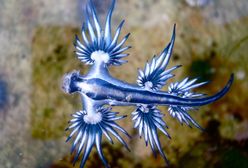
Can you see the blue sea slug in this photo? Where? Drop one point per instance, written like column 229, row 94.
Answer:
column 99, row 91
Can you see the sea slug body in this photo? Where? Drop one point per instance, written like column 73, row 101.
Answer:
column 99, row 91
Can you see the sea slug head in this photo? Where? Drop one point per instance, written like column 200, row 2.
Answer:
column 69, row 82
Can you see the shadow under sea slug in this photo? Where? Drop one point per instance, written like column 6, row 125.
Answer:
column 99, row 91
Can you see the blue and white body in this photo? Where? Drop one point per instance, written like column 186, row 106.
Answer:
column 99, row 91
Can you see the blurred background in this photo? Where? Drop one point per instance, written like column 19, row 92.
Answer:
column 36, row 49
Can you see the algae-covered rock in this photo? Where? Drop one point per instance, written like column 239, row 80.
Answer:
column 53, row 56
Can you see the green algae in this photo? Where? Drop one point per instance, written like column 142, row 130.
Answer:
column 52, row 52
column 233, row 158
column 201, row 68
column 212, row 150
